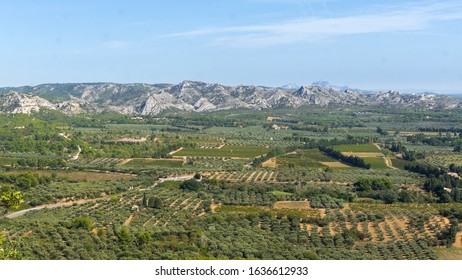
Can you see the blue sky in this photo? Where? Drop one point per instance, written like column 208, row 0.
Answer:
column 400, row 45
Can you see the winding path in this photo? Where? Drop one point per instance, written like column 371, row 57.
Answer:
column 176, row 151
column 76, row 157
column 53, row 205
column 176, row 179
column 389, row 163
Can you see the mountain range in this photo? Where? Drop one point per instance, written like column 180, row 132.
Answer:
column 194, row 96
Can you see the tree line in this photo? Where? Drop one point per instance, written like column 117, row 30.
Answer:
column 350, row 160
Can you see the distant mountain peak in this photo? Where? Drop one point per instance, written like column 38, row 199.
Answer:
column 197, row 96
column 290, row 86
column 325, row 84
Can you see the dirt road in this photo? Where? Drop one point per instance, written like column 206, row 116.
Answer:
column 54, row 205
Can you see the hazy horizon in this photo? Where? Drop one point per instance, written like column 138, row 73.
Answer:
column 407, row 91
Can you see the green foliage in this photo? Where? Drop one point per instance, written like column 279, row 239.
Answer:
column 26, row 181
column 191, row 185
column 377, row 188
column 376, row 162
column 425, row 169
column 446, row 188
column 155, row 202
column 380, row 131
column 82, row 222
column 273, row 153
column 9, row 250
column 366, row 185
column 326, row 201
column 123, row 234
column 357, row 148
column 304, row 159
column 145, row 200
column 152, row 162
column 354, row 234
column 226, row 151
column 230, row 215
column 144, row 237
column 11, row 199
column 350, row 160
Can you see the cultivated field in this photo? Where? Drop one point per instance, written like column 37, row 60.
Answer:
column 233, row 185
column 154, row 162
column 225, row 151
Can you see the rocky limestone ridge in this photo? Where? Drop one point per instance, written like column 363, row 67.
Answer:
column 191, row 96
column 14, row 102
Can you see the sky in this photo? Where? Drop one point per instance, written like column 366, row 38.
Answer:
column 389, row 45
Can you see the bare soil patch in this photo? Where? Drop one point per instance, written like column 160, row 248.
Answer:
column 54, row 205
column 258, row 175
column 458, row 243
column 129, row 220
column 176, row 151
column 214, row 206
column 124, row 161
column 292, row 205
column 147, row 222
column 335, row 164
column 250, row 177
column 362, row 154
column 185, row 201
column 132, row 140
column 197, row 205
column 451, row 253
column 270, row 163
column 173, row 203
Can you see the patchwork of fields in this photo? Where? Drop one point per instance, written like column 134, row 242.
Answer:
column 311, row 183
column 225, row 151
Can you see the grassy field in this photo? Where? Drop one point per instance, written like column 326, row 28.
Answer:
column 336, row 164
column 226, row 151
column 359, row 148
column 303, row 205
column 309, row 158
column 7, row 161
column 448, row 253
column 154, row 162
column 376, row 162
column 399, row 163
column 280, row 194
column 318, row 156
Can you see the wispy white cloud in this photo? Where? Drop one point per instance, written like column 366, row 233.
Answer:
column 392, row 19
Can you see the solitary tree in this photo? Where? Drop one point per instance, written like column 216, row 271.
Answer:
column 145, row 201
column 8, row 250
column 155, row 202
column 123, row 234
column 11, row 200
column 82, row 222
column 192, row 185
